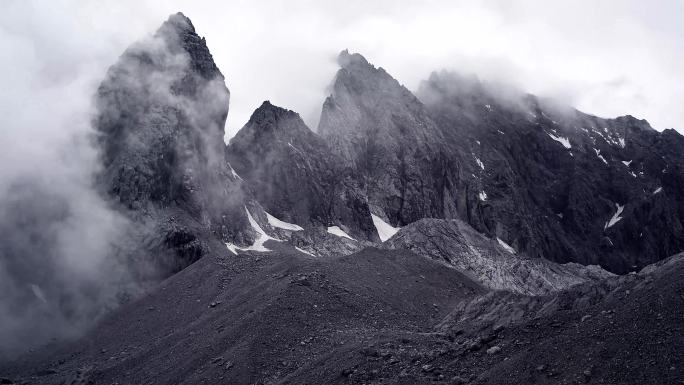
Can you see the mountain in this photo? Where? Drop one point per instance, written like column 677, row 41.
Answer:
column 295, row 174
column 469, row 233
column 383, row 131
column 561, row 184
column 161, row 111
column 546, row 179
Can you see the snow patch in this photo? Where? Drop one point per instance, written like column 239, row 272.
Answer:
column 659, row 189
column 304, row 251
column 334, row 230
column 506, row 246
column 275, row 222
column 479, row 162
column 488, row 107
column 482, row 195
column 626, row 163
column 384, row 229
column 235, row 175
column 295, row 148
column 564, row 141
column 616, row 217
column 598, row 153
column 258, row 244
column 501, row 132
column 622, row 142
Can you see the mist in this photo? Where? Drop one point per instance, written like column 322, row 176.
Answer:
column 57, row 235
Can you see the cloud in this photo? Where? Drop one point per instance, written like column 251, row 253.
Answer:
column 61, row 245
column 285, row 51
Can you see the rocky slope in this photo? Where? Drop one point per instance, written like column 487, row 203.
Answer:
column 493, row 263
column 374, row 317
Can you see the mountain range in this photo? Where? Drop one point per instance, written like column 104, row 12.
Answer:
column 467, row 232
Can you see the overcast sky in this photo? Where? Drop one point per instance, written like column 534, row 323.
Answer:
column 605, row 57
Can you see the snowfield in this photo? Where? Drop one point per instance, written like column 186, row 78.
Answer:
column 335, row 230
column 258, row 244
column 506, row 246
column 616, row 217
column 275, row 222
column 385, row 230
column 564, row 141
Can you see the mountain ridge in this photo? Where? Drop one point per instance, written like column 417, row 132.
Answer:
column 460, row 234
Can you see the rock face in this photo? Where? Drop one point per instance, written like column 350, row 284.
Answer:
column 295, row 176
column 386, row 134
column 161, row 112
column 547, row 180
column 552, row 179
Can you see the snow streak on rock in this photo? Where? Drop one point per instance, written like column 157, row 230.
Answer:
column 564, row 141
column 304, row 251
column 385, row 230
column 335, row 230
column 275, row 222
column 258, row 244
column 616, row 217
column 506, row 246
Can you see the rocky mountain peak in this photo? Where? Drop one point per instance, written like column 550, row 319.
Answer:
column 179, row 22
column 349, row 60
column 180, row 35
column 358, row 79
column 270, row 124
column 295, row 175
column 633, row 124
column 267, row 117
column 382, row 130
column 161, row 111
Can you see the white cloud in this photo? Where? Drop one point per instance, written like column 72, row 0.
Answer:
column 608, row 58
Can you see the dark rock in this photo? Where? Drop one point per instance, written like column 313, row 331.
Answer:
column 501, row 162
column 296, row 176
column 493, row 350
column 160, row 115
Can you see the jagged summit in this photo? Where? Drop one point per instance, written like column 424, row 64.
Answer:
column 269, row 123
column 347, row 60
column 634, row 124
column 267, row 110
column 180, row 22
column 358, row 76
column 179, row 34
column 379, row 127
